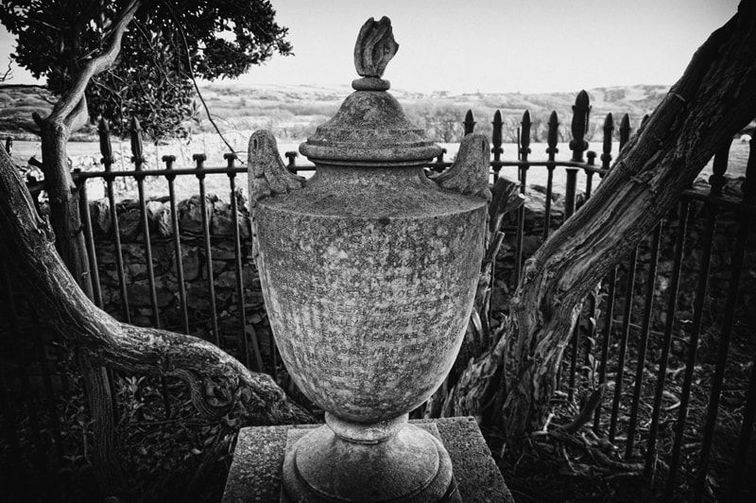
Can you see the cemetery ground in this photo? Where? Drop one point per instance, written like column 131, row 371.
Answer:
column 170, row 453
column 174, row 454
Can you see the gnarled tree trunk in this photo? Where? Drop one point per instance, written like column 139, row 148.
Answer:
column 68, row 114
column 714, row 99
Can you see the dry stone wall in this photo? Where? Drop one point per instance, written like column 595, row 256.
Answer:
column 224, row 276
column 194, row 262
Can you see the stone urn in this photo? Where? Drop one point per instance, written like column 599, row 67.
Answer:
column 369, row 270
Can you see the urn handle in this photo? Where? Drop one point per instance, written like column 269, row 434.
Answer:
column 468, row 174
column 267, row 177
column 267, row 173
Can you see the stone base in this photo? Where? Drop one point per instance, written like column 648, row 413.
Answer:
column 255, row 474
column 352, row 472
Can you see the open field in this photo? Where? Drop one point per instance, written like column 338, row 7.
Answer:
column 293, row 112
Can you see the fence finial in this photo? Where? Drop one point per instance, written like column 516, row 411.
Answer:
column 169, row 160
column 525, row 135
column 292, row 158
column 580, row 113
column 469, row 123
column 230, row 158
column 496, row 135
column 552, row 137
column 106, row 148
column 624, row 131
column 137, row 148
column 606, row 155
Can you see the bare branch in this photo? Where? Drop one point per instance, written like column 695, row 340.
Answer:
column 79, row 116
column 8, row 73
column 94, row 66
column 30, row 129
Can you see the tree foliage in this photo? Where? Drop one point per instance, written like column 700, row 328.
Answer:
column 167, row 42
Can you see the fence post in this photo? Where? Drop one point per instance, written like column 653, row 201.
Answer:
column 524, row 150
column 9, row 145
column 717, row 182
column 580, row 113
column 137, row 151
column 291, row 156
column 699, row 303
column 496, row 149
column 578, row 145
column 171, row 178
column 106, row 150
column 624, row 131
column 86, row 219
column 469, row 123
column 199, row 160
column 591, row 162
column 606, row 155
column 552, row 139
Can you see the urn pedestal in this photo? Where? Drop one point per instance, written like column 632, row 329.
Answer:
column 369, row 271
column 255, row 472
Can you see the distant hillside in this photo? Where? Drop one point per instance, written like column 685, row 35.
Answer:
column 18, row 102
column 293, row 112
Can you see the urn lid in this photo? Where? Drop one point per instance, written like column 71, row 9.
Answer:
column 370, row 128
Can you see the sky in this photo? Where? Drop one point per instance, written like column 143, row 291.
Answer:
column 489, row 46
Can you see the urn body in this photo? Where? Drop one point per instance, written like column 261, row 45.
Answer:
column 369, row 275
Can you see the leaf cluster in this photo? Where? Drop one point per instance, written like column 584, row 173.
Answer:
column 168, row 41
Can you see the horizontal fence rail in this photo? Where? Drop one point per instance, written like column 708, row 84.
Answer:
column 638, row 337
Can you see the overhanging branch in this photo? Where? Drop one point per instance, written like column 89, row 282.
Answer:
column 67, row 104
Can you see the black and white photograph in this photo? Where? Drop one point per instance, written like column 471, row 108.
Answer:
column 393, row 251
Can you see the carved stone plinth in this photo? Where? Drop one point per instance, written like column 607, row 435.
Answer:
column 256, row 471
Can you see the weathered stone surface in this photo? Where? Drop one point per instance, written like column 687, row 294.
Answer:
column 222, row 221
column 370, row 127
column 374, row 48
column 227, row 280
column 129, row 222
column 465, row 174
column 162, row 221
column 139, row 295
column 198, row 298
column 99, row 212
column 255, row 473
column 412, row 466
column 191, row 261
column 224, row 251
column 266, row 172
column 378, row 262
column 369, row 273
column 190, row 213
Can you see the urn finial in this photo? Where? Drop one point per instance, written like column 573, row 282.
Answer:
column 373, row 50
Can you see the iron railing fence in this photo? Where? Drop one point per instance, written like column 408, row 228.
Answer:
column 637, row 338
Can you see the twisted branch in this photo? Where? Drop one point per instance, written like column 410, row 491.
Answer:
column 220, row 385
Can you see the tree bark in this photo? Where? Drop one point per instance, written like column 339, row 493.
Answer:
column 67, row 115
column 64, row 201
column 713, row 100
column 219, row 384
